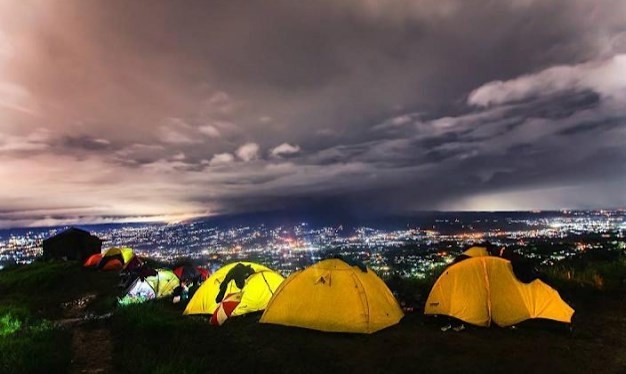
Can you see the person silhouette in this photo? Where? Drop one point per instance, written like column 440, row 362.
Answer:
column 239, row 273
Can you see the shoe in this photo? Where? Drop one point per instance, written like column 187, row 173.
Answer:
column 446, row 328
column 459, row 328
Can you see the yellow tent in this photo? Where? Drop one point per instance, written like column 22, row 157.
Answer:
column 256, row 293
column 153, row 287
column 484, row 289
column 163, row 283
column 476, row 252
column 125, row 252
column 334, row 296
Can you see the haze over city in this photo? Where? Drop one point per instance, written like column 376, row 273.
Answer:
column 118, row 111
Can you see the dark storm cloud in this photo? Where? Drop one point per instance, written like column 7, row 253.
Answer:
column 592, row 127
column 160, row 108
column 86, row 143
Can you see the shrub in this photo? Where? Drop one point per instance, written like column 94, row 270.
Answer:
column 607, row 276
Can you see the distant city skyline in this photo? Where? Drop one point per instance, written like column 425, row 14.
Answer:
column 115, row 111
column 409, row 247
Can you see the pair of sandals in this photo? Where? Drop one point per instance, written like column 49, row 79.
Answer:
column 458, row 328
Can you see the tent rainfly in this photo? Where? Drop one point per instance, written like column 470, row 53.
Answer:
column 255, row 282
column 115, row 258
column 334, row 296
column 93, row 260
column 483, row 289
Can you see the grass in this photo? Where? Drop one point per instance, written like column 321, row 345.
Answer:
column 599, row 276
column 10, row 322
column 30, row 298
column 31, row 345
column 158, row 334
column 42, row 287
column 41, row 350
column 155, row 338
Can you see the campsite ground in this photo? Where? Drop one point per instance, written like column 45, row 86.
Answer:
column 154, row 337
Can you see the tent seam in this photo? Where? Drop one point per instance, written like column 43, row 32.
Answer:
column 488, row 286
column 367, row 305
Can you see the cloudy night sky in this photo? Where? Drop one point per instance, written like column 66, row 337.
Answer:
column 164, row 110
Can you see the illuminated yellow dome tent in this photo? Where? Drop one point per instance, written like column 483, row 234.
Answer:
column 476, row 252
column 483, row 289
column 259, row 287
column 334, row 296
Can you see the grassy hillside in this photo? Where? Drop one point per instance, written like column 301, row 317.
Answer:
column 31, row 298
column 155, row 337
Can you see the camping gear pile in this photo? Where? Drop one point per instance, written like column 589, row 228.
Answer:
column 140, row 281
column 480, row 287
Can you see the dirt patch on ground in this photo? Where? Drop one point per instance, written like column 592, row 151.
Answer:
column 91, row 338
column 91, row 349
